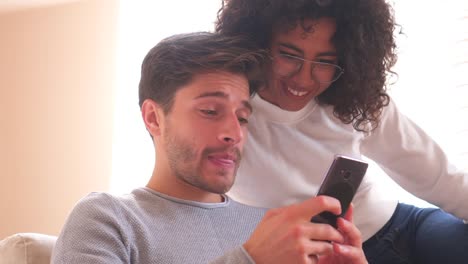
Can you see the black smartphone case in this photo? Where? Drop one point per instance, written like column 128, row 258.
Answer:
column 341, row 182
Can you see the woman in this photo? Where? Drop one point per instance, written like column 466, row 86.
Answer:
column 326, row 95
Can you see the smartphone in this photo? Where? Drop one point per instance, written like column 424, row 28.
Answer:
column 341, row 182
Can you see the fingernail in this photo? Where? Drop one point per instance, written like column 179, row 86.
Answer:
column 342, row 249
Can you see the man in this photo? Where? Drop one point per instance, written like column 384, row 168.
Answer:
column 194, row 99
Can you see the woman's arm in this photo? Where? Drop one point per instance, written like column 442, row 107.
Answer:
column 416, row 162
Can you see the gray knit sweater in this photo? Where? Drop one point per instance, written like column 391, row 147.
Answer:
column 149, row 227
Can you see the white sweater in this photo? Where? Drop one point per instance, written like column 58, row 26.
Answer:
column 288, row 153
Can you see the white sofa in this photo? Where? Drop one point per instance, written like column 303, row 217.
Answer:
column 27, row 248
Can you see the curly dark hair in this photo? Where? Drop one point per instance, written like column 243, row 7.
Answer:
column 174, row 62
column 364, row 40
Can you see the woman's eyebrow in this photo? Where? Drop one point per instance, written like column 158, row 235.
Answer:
column 291, row 46
column 298, row 50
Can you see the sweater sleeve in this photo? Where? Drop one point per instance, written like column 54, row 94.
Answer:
column 91, row 234
column 416, row 162
column 236, row 256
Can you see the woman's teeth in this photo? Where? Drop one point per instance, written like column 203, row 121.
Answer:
column 297, row 93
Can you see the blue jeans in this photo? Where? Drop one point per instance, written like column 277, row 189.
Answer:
column 422, row 236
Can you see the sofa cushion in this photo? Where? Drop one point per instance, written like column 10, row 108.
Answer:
column 27, row 248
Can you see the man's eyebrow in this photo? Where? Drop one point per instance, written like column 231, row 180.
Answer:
column 213, row 94
column 293, row 47
column 221, row 94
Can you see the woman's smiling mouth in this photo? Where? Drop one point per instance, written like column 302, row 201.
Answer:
column 297, row 92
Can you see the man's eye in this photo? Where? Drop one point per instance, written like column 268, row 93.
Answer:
column 208, row 112
column 243, row 120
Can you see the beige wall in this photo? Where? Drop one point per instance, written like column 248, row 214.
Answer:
column 56, row 98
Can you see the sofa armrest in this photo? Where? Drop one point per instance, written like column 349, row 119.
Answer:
column 27, row 248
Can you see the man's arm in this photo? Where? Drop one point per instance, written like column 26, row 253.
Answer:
column 236, row 256
column 92, row 234
column 286, row 235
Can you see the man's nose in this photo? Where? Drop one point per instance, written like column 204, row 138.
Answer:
column 231, row 131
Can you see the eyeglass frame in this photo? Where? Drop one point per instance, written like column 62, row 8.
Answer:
column 338, row 74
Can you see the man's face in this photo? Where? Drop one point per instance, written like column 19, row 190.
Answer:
column 203, row 135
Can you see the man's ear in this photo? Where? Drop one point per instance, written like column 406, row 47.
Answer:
column 152, row 115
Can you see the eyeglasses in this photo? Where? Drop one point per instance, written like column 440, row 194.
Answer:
column 286, row 65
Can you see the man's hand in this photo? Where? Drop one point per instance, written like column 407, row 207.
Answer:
column 350, row 251
column 286, row 235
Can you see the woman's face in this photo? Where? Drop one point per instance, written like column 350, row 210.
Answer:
column 303, row 64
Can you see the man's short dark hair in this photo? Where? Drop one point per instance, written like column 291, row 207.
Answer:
column 174, row 61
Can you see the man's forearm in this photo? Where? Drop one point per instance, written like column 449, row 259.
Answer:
column 236, row 256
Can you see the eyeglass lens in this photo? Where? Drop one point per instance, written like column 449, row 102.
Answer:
column 287, row 66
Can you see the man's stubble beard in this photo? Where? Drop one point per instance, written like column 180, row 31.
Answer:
column 182, row 157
